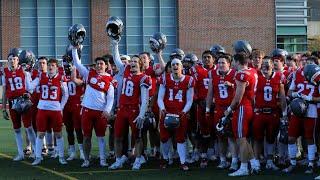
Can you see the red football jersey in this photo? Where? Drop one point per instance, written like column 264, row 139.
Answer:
column 75, row 91
column 153, row 88
column 302, row 86
column 99, row 82
column 50, row 88
column 35, row 96
column 248, row 76
column 222, row 94
column 200, row 75
column 130, row 93
column 15, row 83
column 268, row 90
column 176, row 92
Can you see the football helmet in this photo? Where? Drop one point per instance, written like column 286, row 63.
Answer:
column 76, row 35
column 242, row 46
column 114, row 27
column 280, row 53
column 312, row 73
column 158, row 42
column 177, row 53
column 190, row 58
column 15, row 51
column 299, row 107
column 27, row 59
column 22, row 104
column 171, row 121
column 217, row 49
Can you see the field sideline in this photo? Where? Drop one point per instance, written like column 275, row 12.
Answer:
column 50, row 169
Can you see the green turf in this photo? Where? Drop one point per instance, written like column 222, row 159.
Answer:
column 23, row 170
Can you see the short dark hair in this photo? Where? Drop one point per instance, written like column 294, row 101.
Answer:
column 53, row 61
column 241, row 57
column 12, row 54
column 100, row 59
column 313, row 59
column 207, row 52
column 226, row 56
column 108, row 57
column 43, row 57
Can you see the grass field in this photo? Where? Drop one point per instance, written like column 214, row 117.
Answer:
column 50, row 169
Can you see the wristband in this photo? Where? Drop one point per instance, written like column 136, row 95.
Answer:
column 207, row 109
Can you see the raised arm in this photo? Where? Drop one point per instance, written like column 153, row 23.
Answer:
column 84, row 72
column 161, row 61
column 116, row 56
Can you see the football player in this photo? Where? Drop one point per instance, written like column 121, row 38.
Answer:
column 14, row 86
column 305, row 123
column 175, row 96
column 54, row 95
column 96, row 105
column 221, row 88
column 71, row 112
column 270, row 91
column 135, row 92
column 243, row 112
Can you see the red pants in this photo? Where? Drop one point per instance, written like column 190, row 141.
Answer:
column 305, row 127
column 71, row 116
column 47, row 119
column 93, row 119
column 241, row 120
column 266, row 125
column 125, row 117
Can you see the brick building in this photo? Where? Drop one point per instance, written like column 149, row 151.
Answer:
column 42, row 25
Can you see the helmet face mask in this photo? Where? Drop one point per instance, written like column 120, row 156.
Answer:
column 76, row 35
column 299, row 107
column 171, row 121
column 114, row 27
column 27, row 59
column 177, row 53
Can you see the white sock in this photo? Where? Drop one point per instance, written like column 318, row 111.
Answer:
column 203, row 155
column 269, row 149
column 292, row 151
column 234, row 160
column 222, row 159
column 80, row 146
column 32, row 137
column 102, row 148
column 19, row 141
column 269, row 161
column 39, row 144
column 49, row 139
column 165, row 148
column 182, row 151
column 254, row 163
column 244, row 166
column 60, row 147
column 312, row 149
column 72, row 148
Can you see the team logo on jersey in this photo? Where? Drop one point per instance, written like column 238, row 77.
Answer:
column 93, row 80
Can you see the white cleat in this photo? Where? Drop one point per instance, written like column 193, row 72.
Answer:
column 223, row 165
column 37, row 161
column 234, row 166
column 195, row 156
column 240, row 172
column 115, row 165
column 85, row 164
column 136, row 165
column 123, row 159
column 62, row 161
column 72, row 156
column 318, row 177
column 54, row 154
column 143, row 160
column 19, row 157
column 103, row 163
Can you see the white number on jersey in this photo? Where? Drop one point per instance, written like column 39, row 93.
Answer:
column 72, row 88
column 301, row 88
column 15, row 83
column 267, row 95
column 46, row 93
column 223, row 91
column 206, row 83
column 178, row 96
column 127, row 87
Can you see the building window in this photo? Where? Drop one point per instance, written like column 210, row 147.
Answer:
column 44, row 26
column 142, row 18
column 291, row 25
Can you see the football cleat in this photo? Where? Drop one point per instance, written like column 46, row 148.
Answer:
column 240, row 172
column 184, row 167
column 72, row 156
column 103, row 163
column 62, row 161
column 19, row 157
column 223, row 165
column 37, row 161
column 85, row 164
column 116, row 165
